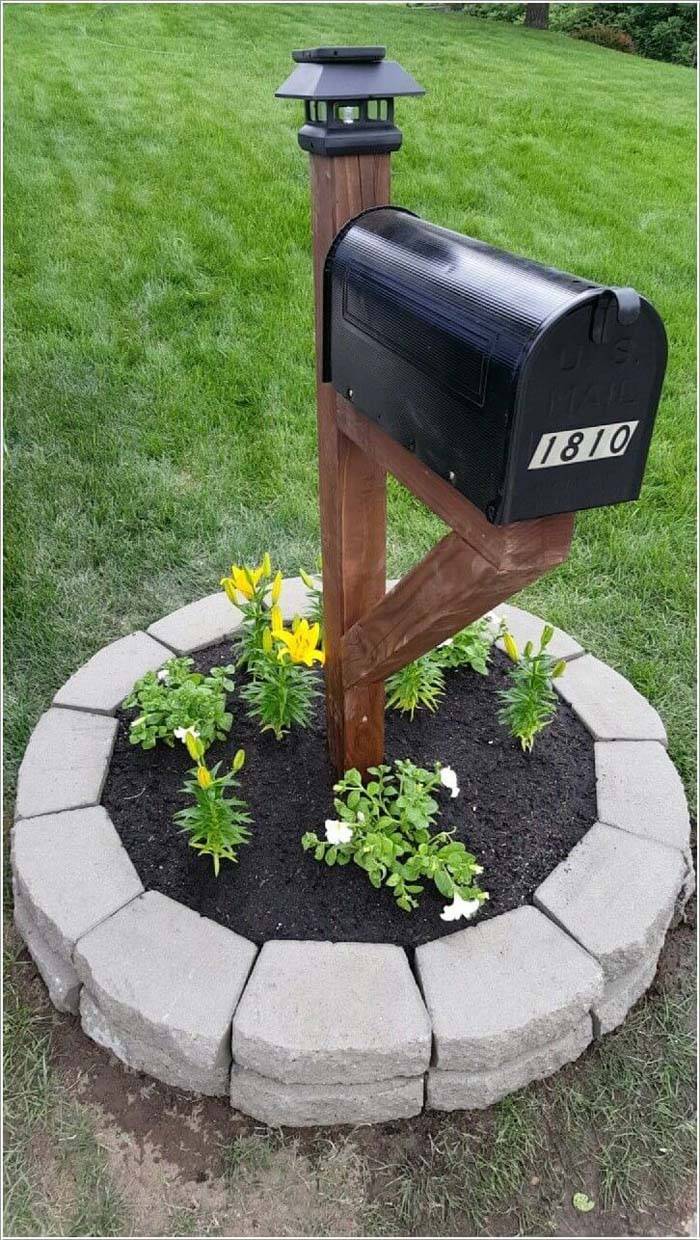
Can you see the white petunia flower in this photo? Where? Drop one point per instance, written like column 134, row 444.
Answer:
column 448, row 779
column 338, row 832
column 360, row 816
column 459, row 908
column 163, row 673
column 181, row 734
column 478, row 869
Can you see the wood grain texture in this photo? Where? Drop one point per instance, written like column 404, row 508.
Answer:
column 501, row 545
column 352, row 485
column 450, row 588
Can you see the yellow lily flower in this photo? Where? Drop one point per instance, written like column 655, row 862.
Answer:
column 242, row 579
column 229, row 589
column 302, row 643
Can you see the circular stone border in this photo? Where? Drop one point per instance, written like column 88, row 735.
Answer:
column 306, row 1032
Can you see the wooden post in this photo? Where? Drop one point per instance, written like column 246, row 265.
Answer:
column 369, row 633
column 352, row 486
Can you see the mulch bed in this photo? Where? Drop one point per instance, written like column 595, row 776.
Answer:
column 519, row 814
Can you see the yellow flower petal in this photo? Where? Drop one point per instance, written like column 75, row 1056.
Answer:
column 283, row 635
column 229, row 590
column 242, row 581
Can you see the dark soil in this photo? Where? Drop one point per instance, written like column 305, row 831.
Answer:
column 519, row 814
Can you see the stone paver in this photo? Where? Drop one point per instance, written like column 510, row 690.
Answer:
column 640, row 790
column 450, row 1091
column 615, row 894
column 60, row 978
column 526, row 627
column 325, row 1033
column 622, row 993
column 160, row 987
column 197, row 625
column 607, row 704
column 316, row 1013
column 295, row 599
column 104, row 681
column 498, row 991
column 71, row 871
column 65, row 763
column 303, row 1106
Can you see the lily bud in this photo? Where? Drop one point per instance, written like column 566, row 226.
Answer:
column 308, row 581
column 511, row 647
column 266, row 565
column 276, row 588
column 238, row 760
column 547, row 635
column 195, row 747
column 559, row 668
column 230, row 590
column 267, row 641
column 276, row 620
column 204, row 777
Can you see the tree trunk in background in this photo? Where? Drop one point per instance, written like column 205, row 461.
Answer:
column 537, row 15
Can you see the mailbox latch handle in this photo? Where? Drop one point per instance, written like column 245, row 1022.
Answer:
column 628, row 306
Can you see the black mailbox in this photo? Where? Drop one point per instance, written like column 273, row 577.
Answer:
column 533, row 391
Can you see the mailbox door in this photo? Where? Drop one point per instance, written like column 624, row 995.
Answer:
column 584, row 415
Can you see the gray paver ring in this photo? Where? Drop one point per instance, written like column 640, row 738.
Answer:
column 305, row 1033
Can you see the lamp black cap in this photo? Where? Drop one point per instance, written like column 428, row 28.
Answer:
column 348, row 95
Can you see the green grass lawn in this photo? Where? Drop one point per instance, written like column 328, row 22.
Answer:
column 159, row 331
column 159, row 309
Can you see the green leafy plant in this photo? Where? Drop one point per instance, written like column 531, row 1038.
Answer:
column 529, row 703
column 315, row 608
column 216, row 824
column 384, row 827
column 282, row 692
column 421, row 684
column 471, row 647
column 418, row 685
column 176, row 698
column 247, row 588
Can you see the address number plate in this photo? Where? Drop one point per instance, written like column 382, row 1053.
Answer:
column 587, row 443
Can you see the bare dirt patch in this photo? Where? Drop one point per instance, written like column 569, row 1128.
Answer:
column 180, row 1165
